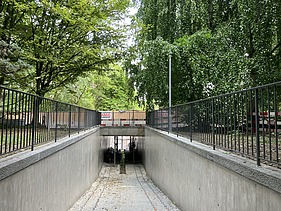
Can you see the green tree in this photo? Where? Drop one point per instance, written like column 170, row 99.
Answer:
column 12, row 67
column 11, row 63
column 64, row 39
column 148, row 70
column 217, row 46
column 109, row 90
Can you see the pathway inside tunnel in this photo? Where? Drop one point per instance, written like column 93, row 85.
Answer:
column 124, row 192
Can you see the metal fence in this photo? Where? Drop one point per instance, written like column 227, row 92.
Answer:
column 123, row 118
column 27, row 120
column 247, row 122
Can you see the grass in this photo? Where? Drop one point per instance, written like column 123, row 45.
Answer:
column 14, row 139
column 244, row 144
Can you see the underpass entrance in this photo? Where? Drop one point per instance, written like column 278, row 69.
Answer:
column 131, row 146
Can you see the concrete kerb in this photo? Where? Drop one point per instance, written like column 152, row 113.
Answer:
column 17, row 162
column 263, row 175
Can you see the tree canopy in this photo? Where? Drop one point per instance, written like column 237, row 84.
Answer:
column 104, row 91
column 216, row 46
column 58, row 41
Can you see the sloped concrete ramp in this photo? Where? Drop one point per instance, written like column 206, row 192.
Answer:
column 124, row 192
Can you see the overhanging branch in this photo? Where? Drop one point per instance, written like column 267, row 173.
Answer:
column 275, row 48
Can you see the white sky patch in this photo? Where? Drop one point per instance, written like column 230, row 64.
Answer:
column 132, row 11
column 209, row 88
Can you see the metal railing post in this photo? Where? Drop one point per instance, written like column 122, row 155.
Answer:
column 78, row 120
column 69, row 121
column 170, row 129
column 56, row 129
column 213, row 125
column 161, row 118
column 112, row 118
column 2, row 119
column 257, row 126
column 190, row 121
column 34, row 123
column 275, row 123
column 177, row 120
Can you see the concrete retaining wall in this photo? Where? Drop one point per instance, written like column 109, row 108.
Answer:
column 53, row 177
column 198, row 178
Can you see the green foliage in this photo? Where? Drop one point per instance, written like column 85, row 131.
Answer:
column 214, row 61
column 10, row 63
column 61, row 40
column 105, row 91
column 216, row 47
column 112, row 91
column 151, row 83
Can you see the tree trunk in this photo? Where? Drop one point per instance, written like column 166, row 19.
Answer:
column 210, row 15
column 2, row 80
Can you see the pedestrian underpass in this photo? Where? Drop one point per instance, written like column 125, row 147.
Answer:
column 129, row 145
column 193, row 176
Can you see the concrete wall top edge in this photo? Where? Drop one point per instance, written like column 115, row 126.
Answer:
column 265, row 175
column 16, row 162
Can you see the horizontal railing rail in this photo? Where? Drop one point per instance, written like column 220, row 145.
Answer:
column 27, row 120
column 246, row 122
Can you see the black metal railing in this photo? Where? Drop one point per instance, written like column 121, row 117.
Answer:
column 247, row 122
column 28, row 120
column 123, row 118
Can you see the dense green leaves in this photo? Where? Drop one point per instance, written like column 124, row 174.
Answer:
column 217, row 47
column 106, row 91
column 10, row 63
column 61, row 40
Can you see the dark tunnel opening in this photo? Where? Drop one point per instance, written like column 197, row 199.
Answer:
column 132, row 147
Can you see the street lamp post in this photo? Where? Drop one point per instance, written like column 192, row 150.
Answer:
column 170, row 93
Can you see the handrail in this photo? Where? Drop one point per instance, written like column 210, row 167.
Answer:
column 27, row 120
column 246, row 122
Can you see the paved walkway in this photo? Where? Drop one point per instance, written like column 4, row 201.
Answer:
column 132, row 191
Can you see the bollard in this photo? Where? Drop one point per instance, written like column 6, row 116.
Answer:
column 122, row 163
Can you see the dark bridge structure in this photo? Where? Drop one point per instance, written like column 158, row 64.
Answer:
column 221, row 153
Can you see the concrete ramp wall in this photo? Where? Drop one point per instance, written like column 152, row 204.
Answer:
column 198, row 178
column 54, row 176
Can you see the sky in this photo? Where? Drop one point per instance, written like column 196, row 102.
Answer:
column 127, row 21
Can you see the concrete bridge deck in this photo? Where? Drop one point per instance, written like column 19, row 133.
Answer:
column 124, row 192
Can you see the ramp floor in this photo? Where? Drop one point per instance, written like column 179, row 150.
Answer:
column 132, row 191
